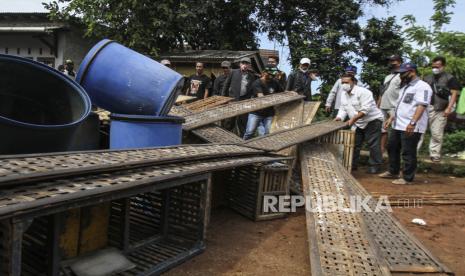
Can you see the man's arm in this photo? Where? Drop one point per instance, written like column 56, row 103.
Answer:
column 332, row 96
column 227, row 84
column 453, row 99
column 290, row 82
column 418, row 112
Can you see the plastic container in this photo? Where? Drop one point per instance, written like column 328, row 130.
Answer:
column 40, row 108
column 123, row 81
column 142, row 131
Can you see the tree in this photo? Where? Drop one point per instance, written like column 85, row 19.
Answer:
column 159, row 26
column 381, row 38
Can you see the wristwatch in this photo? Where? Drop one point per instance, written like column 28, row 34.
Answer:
column 413, row 123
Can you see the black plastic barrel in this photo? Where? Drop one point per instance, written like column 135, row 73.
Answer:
column 40, row 108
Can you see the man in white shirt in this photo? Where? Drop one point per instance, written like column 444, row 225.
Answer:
column 336, row 92
column 408, row 124
column 359, row 105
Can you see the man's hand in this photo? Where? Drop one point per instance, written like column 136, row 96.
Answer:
column 447, row 111
column 337, row 119
column 387, row 124
column 410, row 129
column 328, row 109
column 351, row 122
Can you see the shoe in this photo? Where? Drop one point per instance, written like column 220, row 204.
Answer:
column 436, row 159
column 373, row 170
column 400, row 181
column 388, row 175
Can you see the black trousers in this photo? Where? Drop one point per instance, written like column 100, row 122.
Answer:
column 372, row 135
column 400, row 143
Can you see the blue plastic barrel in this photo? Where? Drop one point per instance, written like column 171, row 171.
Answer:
column 40, row 108
column 142, row 131
column 121, row 80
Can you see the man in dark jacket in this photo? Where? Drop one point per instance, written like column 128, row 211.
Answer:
column 300, row 80
column 220, row 80
column 238, row 86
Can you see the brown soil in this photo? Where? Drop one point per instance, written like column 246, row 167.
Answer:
column 238, row 246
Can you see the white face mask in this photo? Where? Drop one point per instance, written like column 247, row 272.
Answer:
column 437, row 71
column 346, row 87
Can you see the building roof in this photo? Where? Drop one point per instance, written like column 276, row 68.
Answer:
column 215, row 56
column 28, row 22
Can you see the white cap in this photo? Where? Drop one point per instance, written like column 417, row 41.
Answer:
column 165, row 62
column 305, row 61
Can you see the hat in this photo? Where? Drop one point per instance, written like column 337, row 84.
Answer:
column 245, row 60
column 165, row 62
column 395, row 57
column 305, row 61
column 226, row 64
column 405, row 67
column 68, row 61
column 351, row 68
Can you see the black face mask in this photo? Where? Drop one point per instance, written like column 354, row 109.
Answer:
column 405, row 78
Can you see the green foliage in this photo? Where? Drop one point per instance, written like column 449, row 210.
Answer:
column 326, row 31
column 454, row 142
column 381, row 39
column 158, row 26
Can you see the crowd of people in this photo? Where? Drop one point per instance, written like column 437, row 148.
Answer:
column 395, row 122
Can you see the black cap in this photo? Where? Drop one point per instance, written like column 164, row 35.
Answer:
column 395, row 58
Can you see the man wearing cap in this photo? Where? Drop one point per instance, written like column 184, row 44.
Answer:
column 336, row 92
column 358, row 104
column 166, row 62
column 300, row 80
column 279, row 75
column 238, row 86
column 220, row 80
column 263, row 86
column 409, row 122
column 69, row 69
column 389, row 94
column 445, row 93
column 200, row 84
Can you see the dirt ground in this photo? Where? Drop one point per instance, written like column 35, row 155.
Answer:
column 238, row 246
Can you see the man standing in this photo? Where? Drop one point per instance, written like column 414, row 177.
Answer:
column 69, row 69
column 238, row 86
column 358, row 103
column 336, row 92
column 279, row 75
column 409, row 122
column 265, row 85
column 219, row 81
column 445, row 93
column 300, row 80
column 200, row 84
column 389, row 94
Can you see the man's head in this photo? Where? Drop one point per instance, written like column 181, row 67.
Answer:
column 199, row 68
column 305, row 64
column 166, row 62
column 351, row 70
column 245, row 64
column 438, row 65
column 394, row 62
column 408, row 72
column 226, row 66
column 69, row 65
column 348, row 82
column 273, row 61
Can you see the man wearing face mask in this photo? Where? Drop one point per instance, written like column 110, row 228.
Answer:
column 300, row 80
column 265, row 85
column 359, row 105
column 389, row 94
column 445, row 93
column 409, row 122
column 336, row 92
